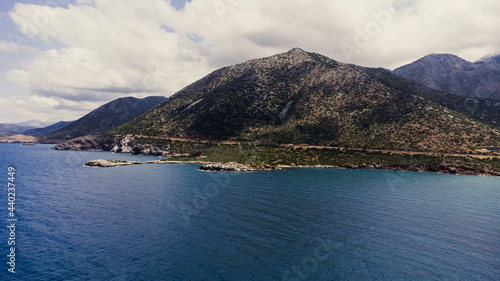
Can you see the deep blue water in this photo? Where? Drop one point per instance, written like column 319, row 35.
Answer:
column 174, row 222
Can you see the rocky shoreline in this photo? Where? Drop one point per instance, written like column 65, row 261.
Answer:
column 129, row 145
column 424, row 168
column 237, row 167
column 125, row 145
column 205, row 166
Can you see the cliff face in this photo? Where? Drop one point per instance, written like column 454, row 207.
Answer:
column 126, row 145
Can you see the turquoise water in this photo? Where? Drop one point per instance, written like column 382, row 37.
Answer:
column 174, row 222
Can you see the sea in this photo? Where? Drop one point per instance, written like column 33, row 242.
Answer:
column 175, row 222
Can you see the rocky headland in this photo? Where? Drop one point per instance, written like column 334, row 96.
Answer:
column 126, row 145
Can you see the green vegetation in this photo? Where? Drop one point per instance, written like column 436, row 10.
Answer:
column 247, row 153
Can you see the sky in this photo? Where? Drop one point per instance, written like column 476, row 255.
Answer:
column 60, row 59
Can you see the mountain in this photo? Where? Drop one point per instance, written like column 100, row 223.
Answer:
column 10, row 129
column 34, row 123
column 106, row 117
column 48, row 129
column 451, row 74
column 4, row 133
column 14, row 128
column 301, row 97
column 491, row 59
column 480, row 109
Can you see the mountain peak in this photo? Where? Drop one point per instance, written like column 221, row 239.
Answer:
column 452, row 74
column 295, row 53
column 296, row 50
column 34, row 123
column 444, row 59
column 304, row 97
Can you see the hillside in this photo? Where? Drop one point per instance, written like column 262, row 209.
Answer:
column 300, row 97
column 4, row 133
column 47, row 130
column 106, row 117
column 487, row 111
column 12, row 129
column 34, row 123
column 452, row 74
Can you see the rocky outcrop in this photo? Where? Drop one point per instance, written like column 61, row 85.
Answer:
column 126, row 145
column 236, row 167
column 18, row 139
column 92, row 142
column 110, row 163
column 129, row 145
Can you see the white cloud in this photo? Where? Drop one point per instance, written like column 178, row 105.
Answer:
column 51, row 102
column 111, row 48
column 49, row 109
column 13, row 48
column 85, row 2
column 114, row 48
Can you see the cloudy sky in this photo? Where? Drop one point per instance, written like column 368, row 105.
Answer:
column 59, row 59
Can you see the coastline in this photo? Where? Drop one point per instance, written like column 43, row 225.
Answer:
column 238, row 167
column 249, row 157
column 423, row 168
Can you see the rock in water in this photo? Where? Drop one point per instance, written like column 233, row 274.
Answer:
column 236, row 167
column 109, row 163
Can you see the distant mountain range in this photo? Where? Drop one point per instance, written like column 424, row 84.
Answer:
column 106, row 117
column 4, row 133
column 14, row 128
column 34, row 123
column 9, row 129
column 301, row 97
column 47, row 130
column 452, row 74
